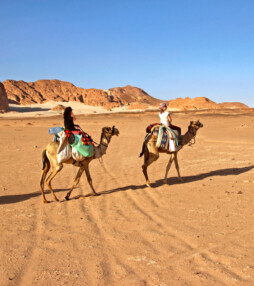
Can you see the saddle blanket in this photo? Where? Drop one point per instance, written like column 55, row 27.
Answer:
column 151, row 126
column 64, row 148
column 81, row 148
column 85, row 149
column 167, row 139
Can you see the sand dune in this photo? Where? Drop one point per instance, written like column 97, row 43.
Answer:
column 199, row 232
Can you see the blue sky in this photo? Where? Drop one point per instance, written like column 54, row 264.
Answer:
column 168, row 48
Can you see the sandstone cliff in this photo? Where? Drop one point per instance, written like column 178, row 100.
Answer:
column 20, row 92
column 130, row 94
column 202, row 103
column 4, row 105
column 233, row 105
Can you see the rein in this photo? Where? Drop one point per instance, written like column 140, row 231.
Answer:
column 103, row 136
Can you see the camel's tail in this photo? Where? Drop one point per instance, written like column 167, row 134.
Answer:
column 143, row 150
column 44, row 159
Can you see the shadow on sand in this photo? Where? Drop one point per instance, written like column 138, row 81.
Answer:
column 22, row 109
column 10, row 199
column 174, row 180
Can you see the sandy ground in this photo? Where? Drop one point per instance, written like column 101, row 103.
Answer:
column 44, row 109
column 200, row 232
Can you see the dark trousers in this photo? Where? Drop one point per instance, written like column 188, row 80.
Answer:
column 175, row 128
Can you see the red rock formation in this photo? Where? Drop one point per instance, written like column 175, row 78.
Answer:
column 129, row 94
column 58, row 107
column 232, row 105
column 4, row 105
column 20, row 92
column 192, row 103
column 202, row 103
column 40, row 91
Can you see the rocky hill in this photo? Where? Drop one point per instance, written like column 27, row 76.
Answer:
column 41, row 91
column 130, row 94
column 4, row 105
column 232, row 105
column 21, row 92
column 202, row 103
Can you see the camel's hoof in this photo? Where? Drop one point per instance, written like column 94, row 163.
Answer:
column 46, row 202
column 67, row 198
column 95, row 194
column 56, row 199
column 148, row 184
column 181, row 180
column 165, row 181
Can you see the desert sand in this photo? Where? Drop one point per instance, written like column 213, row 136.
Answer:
column 200, row 232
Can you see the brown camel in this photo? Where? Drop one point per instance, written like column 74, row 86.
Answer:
column 49, row 159
column 151, row 152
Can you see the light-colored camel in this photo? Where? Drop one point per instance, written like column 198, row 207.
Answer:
column 151, row 152
column 49, row 160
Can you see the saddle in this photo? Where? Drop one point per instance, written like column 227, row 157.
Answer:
column 75, row 144
column 167, row 138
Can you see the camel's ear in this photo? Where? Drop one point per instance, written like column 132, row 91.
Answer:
column 191, row 122
column 113, row 129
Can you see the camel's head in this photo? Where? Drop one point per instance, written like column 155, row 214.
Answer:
column 195, row 125
column 110, row 130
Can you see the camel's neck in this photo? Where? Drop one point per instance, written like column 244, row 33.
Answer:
column 188, row 136
column 102, row 148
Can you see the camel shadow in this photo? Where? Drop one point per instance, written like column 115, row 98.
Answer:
column 10, row 199
column 174, row 180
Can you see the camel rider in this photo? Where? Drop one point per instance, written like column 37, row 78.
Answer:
column 69, row 119
column 166, row 119
column 70, row 127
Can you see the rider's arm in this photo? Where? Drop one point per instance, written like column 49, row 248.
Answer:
column 169, row 118
column 73, row 116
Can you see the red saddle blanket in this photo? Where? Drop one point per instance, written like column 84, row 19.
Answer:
column 86, row 138
column 149, row 127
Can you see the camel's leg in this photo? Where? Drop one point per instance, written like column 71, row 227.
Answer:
column 76, row 181
column 177, row 168
column 56, row 170
column 149, row 159
column 43, row 176
column 168, row 168
column 89, row 179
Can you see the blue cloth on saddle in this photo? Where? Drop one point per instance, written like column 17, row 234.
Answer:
column 85, row 150
column 55, row 130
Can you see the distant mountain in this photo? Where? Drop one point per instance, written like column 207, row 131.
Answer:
column 4, row 105
column 41, row 91
column 198, row 103
column 21, row 92
column 232, row 105
column 130, row 94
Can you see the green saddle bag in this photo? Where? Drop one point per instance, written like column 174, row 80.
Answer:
column 85, row 150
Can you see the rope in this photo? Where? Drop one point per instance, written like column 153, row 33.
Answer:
column 194, row 137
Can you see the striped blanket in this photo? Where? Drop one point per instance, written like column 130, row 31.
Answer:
column 167, row 139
